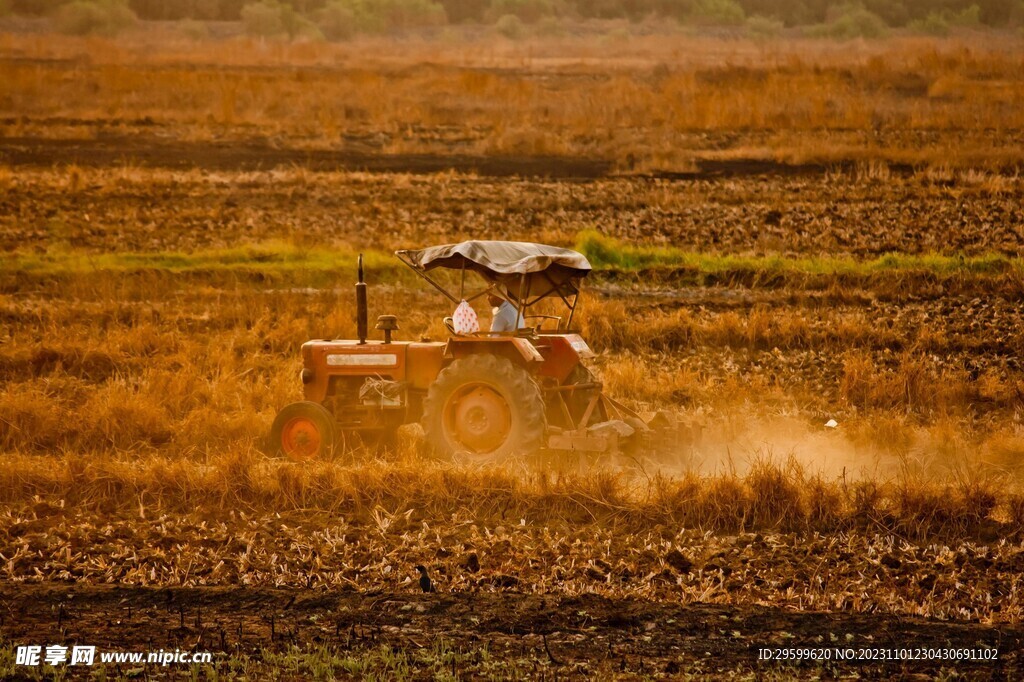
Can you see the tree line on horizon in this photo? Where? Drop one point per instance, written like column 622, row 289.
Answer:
column 341, row 19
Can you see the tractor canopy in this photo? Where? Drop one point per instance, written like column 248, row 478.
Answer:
column 522, row 272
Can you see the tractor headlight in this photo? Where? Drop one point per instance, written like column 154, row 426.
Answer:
column 307, row 376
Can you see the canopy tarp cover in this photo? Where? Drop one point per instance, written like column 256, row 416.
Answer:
column 540, row 269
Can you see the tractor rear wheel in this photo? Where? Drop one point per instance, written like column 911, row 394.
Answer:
column 303, row 431
column 484, row 407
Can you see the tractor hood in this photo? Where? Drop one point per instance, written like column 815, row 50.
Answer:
column 543, row 270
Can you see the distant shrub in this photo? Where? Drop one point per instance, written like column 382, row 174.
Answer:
column 510, row 26
column 718, row 12
column 1017, row 14
column 5, row 8
column 617, row 36
column 934, row 25
column 87, row 17
column 342, row 19
column 463, row 11
column 939, row 23
column 764, row 27
column 195, row 30
column 269, row 18
column 550, row 27
column 854, row 22
column 859, row 23
column 528, row 11
column 337, row 21
column 969, row 17
column 893, row 12
column 399, row 15
column 263, row 19
column 306, row 30
column 382, row 16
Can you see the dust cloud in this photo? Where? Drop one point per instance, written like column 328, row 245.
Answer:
column 733, row 444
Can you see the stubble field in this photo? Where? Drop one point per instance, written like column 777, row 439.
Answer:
column 782, row 235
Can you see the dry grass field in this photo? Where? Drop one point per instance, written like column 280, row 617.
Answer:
column 783, row 233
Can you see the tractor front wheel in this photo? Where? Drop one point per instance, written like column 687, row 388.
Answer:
column 303, row 431
column 484, row 407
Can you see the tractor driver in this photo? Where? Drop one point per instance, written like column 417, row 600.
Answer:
column 506, row 317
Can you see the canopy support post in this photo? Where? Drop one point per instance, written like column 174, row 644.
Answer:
column 521, row 308
column 572, row 310
column 404, row 259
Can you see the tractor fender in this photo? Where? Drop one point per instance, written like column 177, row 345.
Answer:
column 514, row 348
column 562, row 353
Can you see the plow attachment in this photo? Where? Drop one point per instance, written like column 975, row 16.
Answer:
column 607, row 426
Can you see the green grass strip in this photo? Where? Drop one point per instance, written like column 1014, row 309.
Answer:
column 265, row 257
column 604, row 253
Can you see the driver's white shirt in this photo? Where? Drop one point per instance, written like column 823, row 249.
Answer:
column 505, row 318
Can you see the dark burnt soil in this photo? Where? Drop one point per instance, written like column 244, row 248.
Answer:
column 258, row 154
column 579, row 635
column 124, row 206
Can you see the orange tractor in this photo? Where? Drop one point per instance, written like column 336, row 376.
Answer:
column 482, row 395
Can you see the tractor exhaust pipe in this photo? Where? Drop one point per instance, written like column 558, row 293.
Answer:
column 361, row 315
